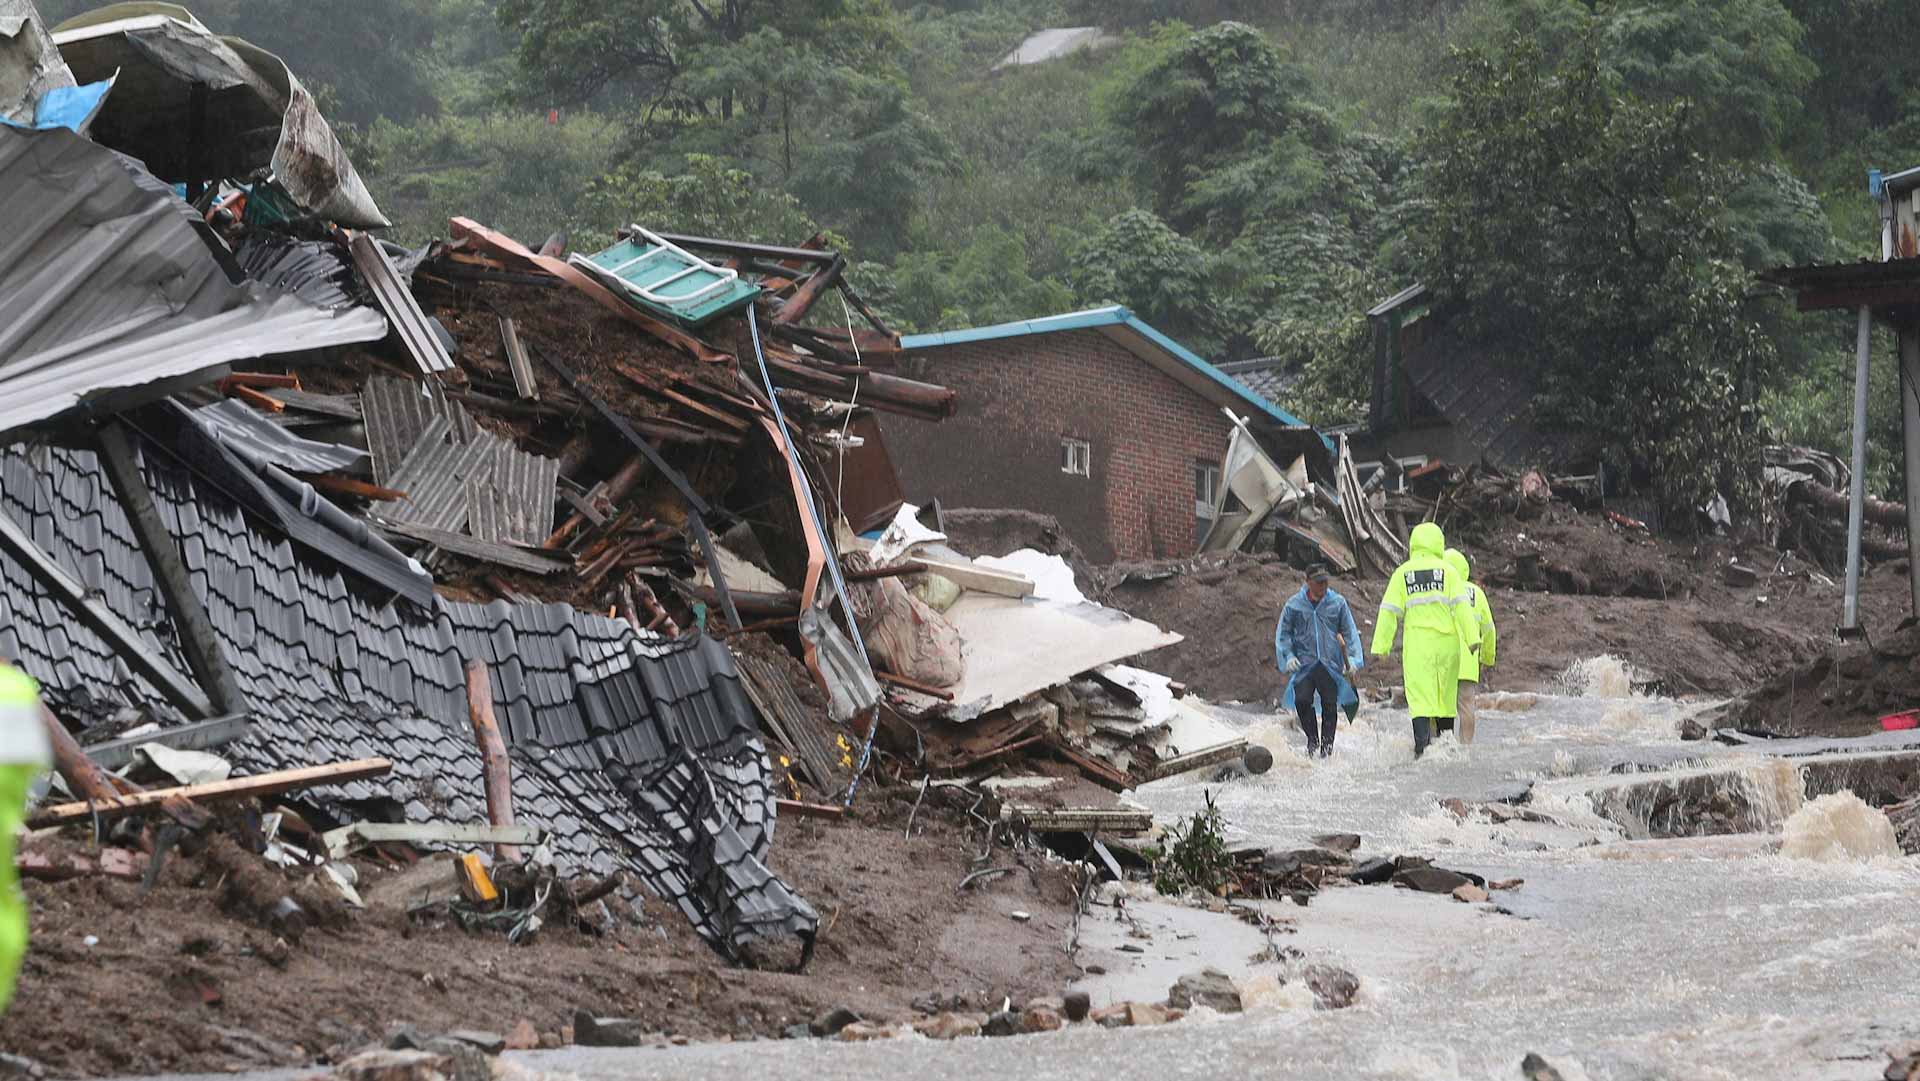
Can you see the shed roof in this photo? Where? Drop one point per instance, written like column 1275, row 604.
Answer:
column 1134, row 335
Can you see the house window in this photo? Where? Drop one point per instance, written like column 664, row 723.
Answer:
column 1076, row 457
column 1396, row 480
column 1206, row 488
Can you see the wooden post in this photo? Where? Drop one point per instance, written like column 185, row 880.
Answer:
column 493, row 754
column 83, row 776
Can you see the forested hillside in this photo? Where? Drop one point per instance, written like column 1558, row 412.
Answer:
column 1588, row 183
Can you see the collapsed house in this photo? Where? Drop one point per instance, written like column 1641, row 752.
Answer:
column 272, row 486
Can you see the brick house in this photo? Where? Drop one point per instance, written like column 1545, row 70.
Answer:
column 1093, row 417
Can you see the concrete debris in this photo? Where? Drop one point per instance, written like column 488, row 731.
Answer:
column 950, row 1026
column 1210, row 987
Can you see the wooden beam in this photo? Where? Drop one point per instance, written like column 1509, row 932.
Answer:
column 265, row 784
column 785, row 807
column 342, row 841
column 517, row 361
column 914, row 685
column 146, row 660
column 496, row 772
column 977, row 578
column 83, row 775
column 804, row 298
column 1877, row 297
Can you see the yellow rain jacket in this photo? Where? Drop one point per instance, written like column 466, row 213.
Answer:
column 1470, row 662
column 24, row 755
column 1430, row 597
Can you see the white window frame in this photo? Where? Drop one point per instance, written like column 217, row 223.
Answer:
column 1076, row 456
column 1207, row 473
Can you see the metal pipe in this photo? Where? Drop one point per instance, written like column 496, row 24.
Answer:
column 1910, row 430
column 1857, row 496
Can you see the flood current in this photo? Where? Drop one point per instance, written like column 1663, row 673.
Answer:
column 1627, row 953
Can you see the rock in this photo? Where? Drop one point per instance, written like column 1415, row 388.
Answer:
column 1140, row 1014
column 1257, row 759
column 1077, row 1005
column 1209, row 987
column 1041, row 1018
column 491, row 1042
column 566, row 1035
column 465, row 1062
column 1455, row 807
column 522, row 1036
column 1096, row 970
column 1113, row 1016
column 1693, row 731
column 1020, row 917
column 551, row 1041
column 864, row 1031
column 1002, row 1023
column 1535, row 1068
column 950, row 1026
column 1431, row 879
column 1507, row 884
column 1372, row 872
column 392, row 1065
column 591, row 1031
column 1470, row 893
column 402, row 1036
column 1333, row 988
column 1738, row 575
column 1339, row 842
column 21, row 1066
column 831, row 1022
column 1401, row 863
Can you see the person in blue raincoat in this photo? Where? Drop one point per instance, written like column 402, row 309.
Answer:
column 1315, row 645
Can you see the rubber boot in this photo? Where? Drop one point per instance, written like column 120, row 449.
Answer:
column 1422, row 735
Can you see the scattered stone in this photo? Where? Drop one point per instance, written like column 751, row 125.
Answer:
column 465, row 1062
column 566, row 1035
column 1693, row 731
column 402, row 1036
column 1430, row 879
column 1041, row 1018
column 491, row 1042
column 798, row 1031
column 1401, row 863
column 1002, row 1023
column 522, row 1036
column 1129, row 948
column 1373, row 872
column 551, row 1041
column 1535, row 1068
column 831, row 1022
column 1339, row 842
column 392, row 1065
column 1257, row 759
column 1140, row 1014
column 1470, row 893
column 591, row 1031
column 864, row 1031
column 1112, row 1016
column 1077, row 1005
column 1096, row 970
column 1020, row 917
column 1209, row 987
column 1333, row 988
column 950, row 1026
column 21, row 1066
column 1507, row 884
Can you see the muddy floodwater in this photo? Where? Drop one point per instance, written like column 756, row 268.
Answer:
column 1699, row 957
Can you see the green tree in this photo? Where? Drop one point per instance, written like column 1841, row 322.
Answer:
column 1581, row 233
column 709, row 199
column 1139, row 261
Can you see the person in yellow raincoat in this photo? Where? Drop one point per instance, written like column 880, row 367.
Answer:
column 1470, row 662
column 1431, row 599
column 24, row 755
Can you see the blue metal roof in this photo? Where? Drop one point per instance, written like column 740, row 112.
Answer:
column 1111, row 316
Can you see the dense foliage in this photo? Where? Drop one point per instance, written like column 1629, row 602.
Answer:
column 1587, row 183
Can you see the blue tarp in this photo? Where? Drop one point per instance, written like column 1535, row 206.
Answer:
column 70, row 107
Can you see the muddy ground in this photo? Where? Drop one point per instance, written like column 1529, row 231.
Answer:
column 1563, row 587
column 174, row 983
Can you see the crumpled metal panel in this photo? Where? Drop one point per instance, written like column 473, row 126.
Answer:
column 106, row 282
column 259, row 114
column 397, row 411
column 242, row 429
column 630, row 751
column 513, row 502
column 312, row 270
column 30, row 63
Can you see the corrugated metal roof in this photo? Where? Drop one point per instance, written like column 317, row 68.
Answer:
column 416, row 334
column 434, row 476
column 251, row 435
column 397, row 411
column 1141, row 339
column 513, row 502
column 106, row 282
column 1405, row 296
column 310, row 270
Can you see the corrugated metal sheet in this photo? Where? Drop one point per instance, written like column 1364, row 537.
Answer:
column 1489, row 401
column 106, row 282
column 514, row 502
column 416, row 335
column 397, row 412
column 313, row 271
column 246, row 432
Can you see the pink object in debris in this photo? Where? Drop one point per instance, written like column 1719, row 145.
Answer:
column 1900, row 722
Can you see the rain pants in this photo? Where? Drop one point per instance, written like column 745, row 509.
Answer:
column 1431, row 599
column 24, row 755
column 1312, row 634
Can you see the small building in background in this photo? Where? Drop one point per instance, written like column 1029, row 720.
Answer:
column 1093, row 417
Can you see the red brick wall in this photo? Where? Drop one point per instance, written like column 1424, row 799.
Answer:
column 1018, row 397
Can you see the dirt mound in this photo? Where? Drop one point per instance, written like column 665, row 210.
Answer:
column 985, row 532
column 1844, row 690
column 1565, row 551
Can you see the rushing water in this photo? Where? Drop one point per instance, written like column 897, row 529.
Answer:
column 1704, row 958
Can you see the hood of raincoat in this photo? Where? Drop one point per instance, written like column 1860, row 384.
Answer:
column 1427, row 540
column 1457, row 559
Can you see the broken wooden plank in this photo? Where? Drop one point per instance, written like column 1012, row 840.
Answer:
column 798, row 809
column 344, row 840
column 977, row 578
column 517, row 361
column 264, row 784
column 119, row 863
column 259, row 381
column 348, row 486
column 914, row 685
column 496, row 773
column 804, row 298
column 83, row 775
column 257, row 399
